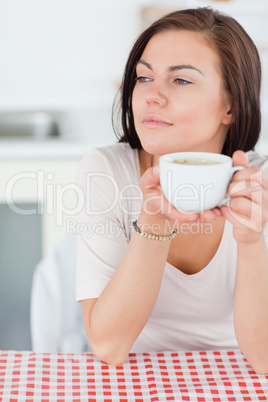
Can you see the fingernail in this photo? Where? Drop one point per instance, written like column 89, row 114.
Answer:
column 156, row 170
column 193, row 218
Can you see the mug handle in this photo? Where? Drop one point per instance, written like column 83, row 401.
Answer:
column 234, row 169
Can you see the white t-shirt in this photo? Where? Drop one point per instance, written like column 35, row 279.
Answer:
column 192, row 312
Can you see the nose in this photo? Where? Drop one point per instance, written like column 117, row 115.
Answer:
column 155, row 95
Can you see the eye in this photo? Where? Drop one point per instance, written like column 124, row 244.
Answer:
column 142, row 79
column 181, row 81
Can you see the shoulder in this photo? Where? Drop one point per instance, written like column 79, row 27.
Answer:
column 118, row 161
column 120, row 154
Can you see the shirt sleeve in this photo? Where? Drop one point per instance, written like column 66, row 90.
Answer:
column 102, row 239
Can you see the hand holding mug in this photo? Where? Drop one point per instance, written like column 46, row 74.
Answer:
column 247, row 209
column 156, row 207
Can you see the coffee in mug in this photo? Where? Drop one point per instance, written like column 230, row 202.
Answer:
column 196, row 161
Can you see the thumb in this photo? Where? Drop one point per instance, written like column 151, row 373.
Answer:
column 150, row 178
column 240, row 159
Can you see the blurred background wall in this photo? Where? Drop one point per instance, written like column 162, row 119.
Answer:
column 61, row 63
column 69, row 55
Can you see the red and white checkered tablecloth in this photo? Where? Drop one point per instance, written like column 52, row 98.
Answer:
column 169, row 376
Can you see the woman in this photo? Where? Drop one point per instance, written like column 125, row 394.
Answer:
column 191, row 83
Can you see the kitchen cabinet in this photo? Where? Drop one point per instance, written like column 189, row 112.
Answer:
column 37, row 208
column 49, row 183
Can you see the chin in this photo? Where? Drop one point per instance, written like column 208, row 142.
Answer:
column 162, row 149
column 157, row 147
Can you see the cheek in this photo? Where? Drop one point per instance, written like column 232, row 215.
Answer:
column 215, row 103
column 137, row 108
column 134, row 103
column 209, row 109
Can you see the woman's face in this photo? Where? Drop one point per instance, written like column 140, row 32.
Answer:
column 179, row 102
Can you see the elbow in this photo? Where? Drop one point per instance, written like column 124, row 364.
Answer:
column 111, row 350
column 260, row 368
column 113, row 357
column 110, row 354
column 258, row 362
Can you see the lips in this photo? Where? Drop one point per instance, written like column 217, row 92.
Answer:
column 155, row 121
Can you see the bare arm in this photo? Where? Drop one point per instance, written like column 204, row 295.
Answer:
column 116, row 318
column 123, row 308
column 251, row 304
column 248, row 212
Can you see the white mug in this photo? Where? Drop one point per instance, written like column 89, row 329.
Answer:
column 199, row 181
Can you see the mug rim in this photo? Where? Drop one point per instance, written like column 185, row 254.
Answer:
column 192, row 155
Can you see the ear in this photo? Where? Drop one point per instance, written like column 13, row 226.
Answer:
column 228, row 117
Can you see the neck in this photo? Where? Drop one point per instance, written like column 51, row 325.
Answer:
column 147, row 160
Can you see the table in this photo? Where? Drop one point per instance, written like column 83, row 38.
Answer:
column 167, row 376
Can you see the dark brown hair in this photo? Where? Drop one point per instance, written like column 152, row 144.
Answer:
column 240, row 67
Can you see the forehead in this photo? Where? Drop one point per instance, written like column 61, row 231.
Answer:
column 180, row 46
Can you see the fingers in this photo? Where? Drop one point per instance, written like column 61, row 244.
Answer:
column 240, row 159
column 241, row 206
column 150, row 178
column 252, row 206
column 246, row 208
column 210, row 215
column 244, row 188
column 155, row 201
column 251, row 174
column 246, row 218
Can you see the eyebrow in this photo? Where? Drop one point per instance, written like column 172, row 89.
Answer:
column 172, row 68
